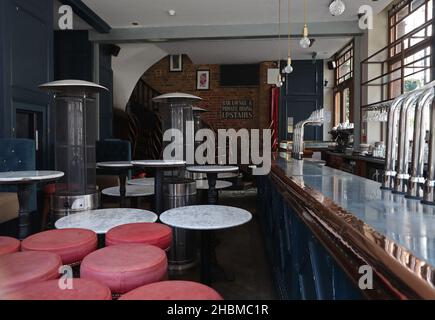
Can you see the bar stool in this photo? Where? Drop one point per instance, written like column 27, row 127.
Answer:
column 50, row 290
column 124, row 267
column 9, row 245
column 72, row 245
column 155, row 234
column 173, row 290
column 22, row 268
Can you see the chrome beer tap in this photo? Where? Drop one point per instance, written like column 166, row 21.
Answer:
column 422, row 111
column 405, row 129
column 391, row 150
column 429, row 186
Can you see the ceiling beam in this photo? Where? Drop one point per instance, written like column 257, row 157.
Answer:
column 223, row 32
column 88, row 15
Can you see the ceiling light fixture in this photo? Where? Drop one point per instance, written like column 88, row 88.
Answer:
column 289, row 69
column 305, row 41
column 337, row 7
column 172, row 12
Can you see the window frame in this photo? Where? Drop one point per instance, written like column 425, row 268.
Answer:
column 343, row 83
column 395, row 56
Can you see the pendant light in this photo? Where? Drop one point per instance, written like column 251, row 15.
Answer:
column 289, row 69
column 279, row 80
column 305, row 41
column 337, row 7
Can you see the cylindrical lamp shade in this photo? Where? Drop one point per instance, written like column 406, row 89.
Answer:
column 176, row 112
column 75, row 133
column 75, row 129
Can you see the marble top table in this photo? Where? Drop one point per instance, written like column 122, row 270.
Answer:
column 115, row 165
column 212, row 173
column 159, row 166
column 205, row 218
column 24, row 181
column 121, row 168
column 141, row 182
column 203, row 184
column 131, row 191
column 101, row 221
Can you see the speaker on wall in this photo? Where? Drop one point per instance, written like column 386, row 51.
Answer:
column 114, row 50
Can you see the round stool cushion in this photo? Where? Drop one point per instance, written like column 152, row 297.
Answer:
column 9, row 245
column 155, row 234
column 49, row 290
column 23, row 268
column 125, row 267
column 71, row 244
column 173, row 290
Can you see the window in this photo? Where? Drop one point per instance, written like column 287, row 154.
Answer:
column 344, row 62
column 343, row 103
column 410, row 29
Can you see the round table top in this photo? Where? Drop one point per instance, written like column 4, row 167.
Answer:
column 207, row 217
column 28, row 176
column 212, row 169
column 101, row 221
column 159, row 163
column 141, row 182
column 203, row 184
column 115, row 164
column 130, row 191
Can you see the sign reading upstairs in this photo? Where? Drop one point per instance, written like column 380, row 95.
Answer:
column 237, row 109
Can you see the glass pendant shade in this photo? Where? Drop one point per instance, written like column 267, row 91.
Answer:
column 288, row 69
column 337, row 7
column 305, row 41
column 279, row 82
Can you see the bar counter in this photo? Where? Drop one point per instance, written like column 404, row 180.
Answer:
column 323, row 224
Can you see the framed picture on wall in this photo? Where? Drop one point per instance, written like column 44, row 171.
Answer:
column 176, row 62
column 203, row 80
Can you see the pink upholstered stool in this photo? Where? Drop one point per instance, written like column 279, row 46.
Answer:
column 173, row 290
column 124, row 267
column 23, row 268
column 9, row 245
column 155, row 234
column 49, row 290
column 71, row 244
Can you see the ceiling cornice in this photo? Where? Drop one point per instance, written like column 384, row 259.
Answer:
column 223, row 32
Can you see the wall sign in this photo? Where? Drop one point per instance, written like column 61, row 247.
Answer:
column 237, row 109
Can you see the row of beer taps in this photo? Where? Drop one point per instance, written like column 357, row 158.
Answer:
column 403, row 175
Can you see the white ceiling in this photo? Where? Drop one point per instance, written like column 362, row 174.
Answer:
column 250, row 51
column 154, row 13
column 121, row 14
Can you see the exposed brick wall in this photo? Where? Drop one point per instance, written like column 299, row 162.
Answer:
column 160, row 78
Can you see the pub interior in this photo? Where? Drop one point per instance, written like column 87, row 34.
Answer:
column 217, row 150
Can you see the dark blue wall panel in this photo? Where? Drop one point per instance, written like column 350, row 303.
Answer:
column 73, row 56
column 301, row 94
column 26, row 61
column 106, row 99
column 74, row 59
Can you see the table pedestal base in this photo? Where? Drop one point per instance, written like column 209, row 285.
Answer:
column 24, row 192
column 158, row 191
column 210, row 268
column 122, row 190
column 212, row 192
